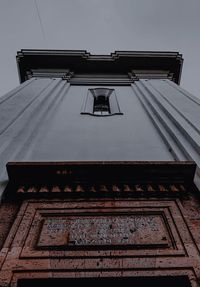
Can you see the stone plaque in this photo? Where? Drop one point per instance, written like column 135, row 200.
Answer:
column 134, row 230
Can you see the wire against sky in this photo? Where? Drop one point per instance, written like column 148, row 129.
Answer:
column 40, row 20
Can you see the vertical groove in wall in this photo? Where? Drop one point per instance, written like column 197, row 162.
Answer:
column 159, row 123
column 15, row 113
column 46, row 113
column 153, row 93
column 184, row 127
column 25, row 129
column 182, row 117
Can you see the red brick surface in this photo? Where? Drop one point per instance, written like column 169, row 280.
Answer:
column 100, row 237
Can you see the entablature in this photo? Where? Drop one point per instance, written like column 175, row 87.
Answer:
column 144, row 64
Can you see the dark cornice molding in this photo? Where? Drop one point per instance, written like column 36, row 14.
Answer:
column 87, row 170
column 80, row 61
column 101, row 178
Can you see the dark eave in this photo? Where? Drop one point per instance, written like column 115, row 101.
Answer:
column 80, row 61
column 87, row 170
column 98, row 179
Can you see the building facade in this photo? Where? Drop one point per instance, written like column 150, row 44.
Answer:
column 99, row 171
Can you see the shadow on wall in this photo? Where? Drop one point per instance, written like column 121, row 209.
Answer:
column 164, row 281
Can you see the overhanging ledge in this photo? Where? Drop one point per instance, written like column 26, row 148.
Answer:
column 80, row 61
column 82, row 179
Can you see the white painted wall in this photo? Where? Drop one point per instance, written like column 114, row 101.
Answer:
column 41, row 121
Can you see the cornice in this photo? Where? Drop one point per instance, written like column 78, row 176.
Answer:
column 98, row 179
column 80, row 61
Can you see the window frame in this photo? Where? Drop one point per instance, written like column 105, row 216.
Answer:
column 89, row 102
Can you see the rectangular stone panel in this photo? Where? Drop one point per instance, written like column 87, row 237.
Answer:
column 136, row 231
column 52, row 237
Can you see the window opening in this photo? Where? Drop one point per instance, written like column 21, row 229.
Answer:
column 101, row 102
column 101, row 105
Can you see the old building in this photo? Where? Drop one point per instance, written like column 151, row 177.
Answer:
column 99, row 171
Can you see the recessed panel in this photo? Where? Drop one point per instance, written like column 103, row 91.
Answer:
column 144, row 231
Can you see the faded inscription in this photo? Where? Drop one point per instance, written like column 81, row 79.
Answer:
column 104, row 230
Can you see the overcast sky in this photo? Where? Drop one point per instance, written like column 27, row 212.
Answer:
column 100, row 27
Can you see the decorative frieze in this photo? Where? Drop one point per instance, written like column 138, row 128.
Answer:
column 131, row 189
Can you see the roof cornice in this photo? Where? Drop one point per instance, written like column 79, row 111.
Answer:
column 80, row 61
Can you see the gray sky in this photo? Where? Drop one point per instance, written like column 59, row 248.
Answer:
column 101, row 27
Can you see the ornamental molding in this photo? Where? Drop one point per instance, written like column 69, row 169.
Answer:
column 98, row 179
column 80, row 61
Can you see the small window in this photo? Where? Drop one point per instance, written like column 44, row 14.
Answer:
column 101, row 102
column 101, row 105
